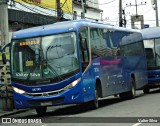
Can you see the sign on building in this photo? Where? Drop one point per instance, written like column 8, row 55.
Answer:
column 50, row 4
column 146, row 25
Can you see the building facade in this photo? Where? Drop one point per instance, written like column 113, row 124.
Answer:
column 22, row 18
column 91, row 9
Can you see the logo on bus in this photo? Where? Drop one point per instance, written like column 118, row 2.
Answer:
column 45, row 94
column 36, row 89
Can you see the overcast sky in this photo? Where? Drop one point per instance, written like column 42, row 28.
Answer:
column 111, row 11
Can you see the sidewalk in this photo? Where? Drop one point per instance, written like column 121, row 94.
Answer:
column 7, row 108
column 8, row 113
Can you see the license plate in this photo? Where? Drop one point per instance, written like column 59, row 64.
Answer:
column 46, row 103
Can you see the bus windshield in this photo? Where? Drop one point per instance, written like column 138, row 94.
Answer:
column 44, row 57
column 152, row 48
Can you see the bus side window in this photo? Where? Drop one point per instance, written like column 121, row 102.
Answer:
column 150, row 56
column 84, row 48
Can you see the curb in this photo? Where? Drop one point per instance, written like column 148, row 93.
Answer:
column 12, row 112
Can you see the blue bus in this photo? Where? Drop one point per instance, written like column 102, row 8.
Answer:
column 151, row 40
column 75, row 62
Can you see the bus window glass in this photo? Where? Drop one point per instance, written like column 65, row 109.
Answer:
column 150, row 52
column 61, row 52
column 84, row 53
column 25, row 54
column 98, row 43
column 135, row 49
column 157, row 51
column 44, row 57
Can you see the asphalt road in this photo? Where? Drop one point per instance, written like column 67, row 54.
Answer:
column 141, row 111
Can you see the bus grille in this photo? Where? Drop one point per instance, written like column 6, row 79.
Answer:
column 45, row 93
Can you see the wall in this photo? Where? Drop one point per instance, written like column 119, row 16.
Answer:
column 90, row 14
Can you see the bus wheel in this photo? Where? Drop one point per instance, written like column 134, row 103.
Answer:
column 94, row 103
column 41, row 111
column 146, row 90
column 122, row 96
column 132, row 92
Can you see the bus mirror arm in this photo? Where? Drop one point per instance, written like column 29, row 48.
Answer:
column 5, row 46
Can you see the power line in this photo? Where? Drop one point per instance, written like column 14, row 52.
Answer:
column 37, row 9
column 136, row 5
column 46, row 6
column 32, row 11
column 44, row 12
column 147, row 11
column 64, row 3
column 101, row 3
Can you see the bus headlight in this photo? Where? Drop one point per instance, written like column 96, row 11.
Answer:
column 19, row 91
column 73, row 84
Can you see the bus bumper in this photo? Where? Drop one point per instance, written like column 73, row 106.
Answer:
column 69, row 96
column 153, row 83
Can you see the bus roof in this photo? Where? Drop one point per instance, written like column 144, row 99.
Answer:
column 150, row 33
column 61, row 27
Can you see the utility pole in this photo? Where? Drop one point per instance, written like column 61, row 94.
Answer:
column 59, row 11
column 156, row 9
column 4, row 28
column 83, row 10
column 120, row 13
column 136, row 5
column 137, row 18
column 154, row 2
column 124, row 18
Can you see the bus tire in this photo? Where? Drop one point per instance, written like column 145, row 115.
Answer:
column 132, row 93
column 122, row 96
column 94, row 103
column 146, row 90
column 41, row 111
